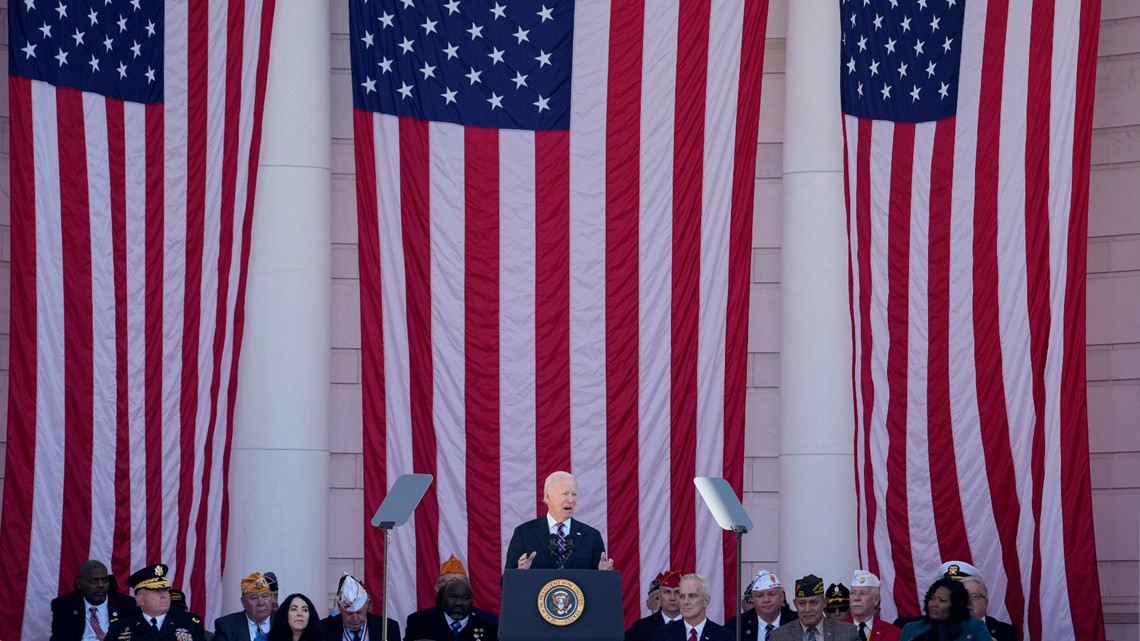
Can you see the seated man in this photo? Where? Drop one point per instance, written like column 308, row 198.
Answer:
column 693, row 624
column 768, row 609
column 838, row 602
column 452, row 569
column 251, row 623
column 153, row 620
column 812, row 625
column 669, row 591
column 451, row 618
column 86, row 612
column 865, row 601
column 979, row 602
column 354, row 620
column 271, row 579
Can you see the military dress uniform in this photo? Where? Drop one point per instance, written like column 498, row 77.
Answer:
column 136, row 626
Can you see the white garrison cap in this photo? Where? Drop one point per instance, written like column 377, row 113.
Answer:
column 864, row 579
column 765, row 580
column 352, row 596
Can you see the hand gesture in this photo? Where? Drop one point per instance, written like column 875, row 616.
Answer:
column 525, row 560
column 606, row 563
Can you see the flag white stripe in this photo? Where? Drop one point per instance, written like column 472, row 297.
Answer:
column 920, row 505
column 103, row 356
column 397, row 381
column 47, row 518
column 447, row 323
column 882, row 137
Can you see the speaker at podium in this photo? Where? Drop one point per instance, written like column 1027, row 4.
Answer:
column 561, row 605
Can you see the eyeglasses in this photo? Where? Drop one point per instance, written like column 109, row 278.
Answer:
column 978, row 597
column 836, row 608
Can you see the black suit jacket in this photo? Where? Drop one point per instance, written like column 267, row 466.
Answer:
column 675, row 631
column 332, row 628
column 233, row 627
column 134, row 627
column 430, row 624
column 69, row 613
column 1000, row 630
column 644, row 629
column 534, row 536
column 750, row 623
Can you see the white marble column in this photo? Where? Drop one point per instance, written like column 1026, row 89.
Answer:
column 817, row 499
column 280, row 457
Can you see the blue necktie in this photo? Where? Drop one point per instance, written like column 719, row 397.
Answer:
column 561, row 530
column 455, row 628
column 261, row 635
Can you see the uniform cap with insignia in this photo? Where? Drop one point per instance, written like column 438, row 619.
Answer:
column 254, row 584
column 452, row 566
column 670, row 579
column 864, row 579
column 352, row 596
column 655, row 584
column 838, row 594
column 765, row 580
column 957, row 570
column 152, row 577
column 178, row 600
column 810, row 585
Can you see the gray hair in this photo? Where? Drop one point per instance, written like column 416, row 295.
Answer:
column 705, row 591
column 985, row 590
column 550, row 480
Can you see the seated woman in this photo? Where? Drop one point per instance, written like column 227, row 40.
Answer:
column 947, row 608
column 296, row 620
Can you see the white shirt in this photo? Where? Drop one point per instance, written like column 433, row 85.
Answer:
column 101, row 613
column 867, row 623
column 253, row 626
column 667, row 619
column 700, row 627
column 763, row 625
column 554, row 525
column 158, row 619
column 449, row 620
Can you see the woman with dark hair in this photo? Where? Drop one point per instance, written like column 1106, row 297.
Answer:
column 947, row 608
column 296, row 620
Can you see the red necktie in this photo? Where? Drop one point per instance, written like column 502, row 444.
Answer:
column 693, row 634
column 99, row 634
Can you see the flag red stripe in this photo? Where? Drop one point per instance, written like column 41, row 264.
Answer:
column 739, row 272
column 75, row 224
column 155, row 295
column 1039, row 283
column 116, row 155
column 481, row 349
column 987, row 346
column 196, row 137
column 1080, row 544
column 552, row 305
column 866, row 342
column 898, row 318
column 949, row 521
column 371, row 339
column 623, row 151
column 19, row 465
column 688, row 153
column 414, row 202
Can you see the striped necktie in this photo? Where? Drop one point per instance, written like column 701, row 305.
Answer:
column 95, row 626
column 561, row 531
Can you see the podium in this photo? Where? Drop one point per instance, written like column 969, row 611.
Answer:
column 561, row 605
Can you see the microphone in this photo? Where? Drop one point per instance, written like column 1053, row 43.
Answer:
column 569, row 550
column 553, row 548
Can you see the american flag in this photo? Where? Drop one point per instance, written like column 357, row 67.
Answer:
column 134, row 135
column 555, row 208
column 968, row 127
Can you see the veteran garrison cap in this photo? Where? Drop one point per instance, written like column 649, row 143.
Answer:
column 838, row 594
column 655, row 584
column 670, row 579
column 810, row 585
column 152, row 577
column 271, row 579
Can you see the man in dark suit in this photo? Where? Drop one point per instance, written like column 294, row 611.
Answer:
column 451, row 618
column 865, row 602
column 85, row 613
column 811, row 625
column 693, row 624
column 979, row 601
column 768, row 612
column 251, row 623
column 556, row 540
column 669, row 593
column 153, row 620
column 354, row 620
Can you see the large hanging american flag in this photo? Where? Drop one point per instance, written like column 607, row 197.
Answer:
column 135, row 128
column 555, row 210
column 968, row 127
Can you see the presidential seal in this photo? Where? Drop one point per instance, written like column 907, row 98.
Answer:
column 561, row 602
